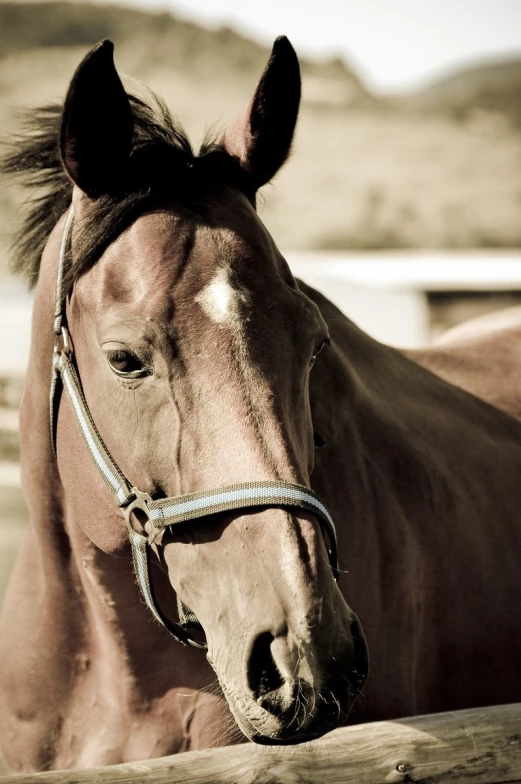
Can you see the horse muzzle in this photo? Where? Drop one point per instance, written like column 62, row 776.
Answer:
column 273, row 708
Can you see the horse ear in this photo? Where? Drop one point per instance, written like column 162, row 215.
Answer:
column 260, row 137
column 97, row 124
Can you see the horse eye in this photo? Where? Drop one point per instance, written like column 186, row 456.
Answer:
column 318, row 350
column 125, row 363
column 318, row 440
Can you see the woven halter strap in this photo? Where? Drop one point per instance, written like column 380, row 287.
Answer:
column 138, row 507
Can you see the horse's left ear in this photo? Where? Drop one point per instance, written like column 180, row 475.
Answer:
column 260, row 138
column 97, row 125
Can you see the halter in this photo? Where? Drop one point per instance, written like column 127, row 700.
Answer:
column 162, row 513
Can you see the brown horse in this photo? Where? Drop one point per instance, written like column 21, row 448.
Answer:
column 196, row 352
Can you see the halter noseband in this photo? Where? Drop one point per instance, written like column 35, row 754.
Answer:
column 162, row 512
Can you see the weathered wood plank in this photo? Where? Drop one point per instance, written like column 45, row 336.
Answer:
column 481, row 745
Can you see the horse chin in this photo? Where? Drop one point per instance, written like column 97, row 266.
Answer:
column 268, row 730
column 298, row 725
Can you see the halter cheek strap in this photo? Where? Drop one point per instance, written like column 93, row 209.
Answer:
column 163, row 512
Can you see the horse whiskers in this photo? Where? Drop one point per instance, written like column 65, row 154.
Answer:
column 312, row 711
column 212, row 739
column 212, row 688
column 357, row 691
column 229, row 731
column 339, row 707
column 296, row 710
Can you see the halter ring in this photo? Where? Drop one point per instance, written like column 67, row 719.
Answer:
column 141, row 502
column 63, row 342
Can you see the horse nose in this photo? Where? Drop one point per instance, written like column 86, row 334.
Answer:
column 271, row 675
column 263, row 674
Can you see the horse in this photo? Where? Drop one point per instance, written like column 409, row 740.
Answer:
column 185, row 360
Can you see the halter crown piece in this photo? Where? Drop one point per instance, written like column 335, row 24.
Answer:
column 161, row 512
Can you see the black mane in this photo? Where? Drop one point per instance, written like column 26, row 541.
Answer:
column 163, row 167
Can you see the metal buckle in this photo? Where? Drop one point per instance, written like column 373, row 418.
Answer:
column 140, row 502
column 63, row 343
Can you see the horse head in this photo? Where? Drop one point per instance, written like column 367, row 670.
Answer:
column 195, row 346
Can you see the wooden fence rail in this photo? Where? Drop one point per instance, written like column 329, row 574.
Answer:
column 482, row 746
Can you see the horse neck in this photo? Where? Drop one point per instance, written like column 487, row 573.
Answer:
column 410, row 431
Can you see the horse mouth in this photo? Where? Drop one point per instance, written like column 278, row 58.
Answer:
column 290, row 740
column 268, row 730
column 311, row 717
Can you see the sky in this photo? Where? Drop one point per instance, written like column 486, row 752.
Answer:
column 394, row 44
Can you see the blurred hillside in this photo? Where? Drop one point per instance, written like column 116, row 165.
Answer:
column 156, row 40
column 438, row 169
column 492, row 88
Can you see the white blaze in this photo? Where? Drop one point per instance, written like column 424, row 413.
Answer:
column 219, row 300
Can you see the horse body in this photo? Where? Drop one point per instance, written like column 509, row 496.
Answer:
column 482, row 357
column 429, row 497
column 420, row 475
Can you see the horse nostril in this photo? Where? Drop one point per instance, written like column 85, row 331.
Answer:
column 263, row 675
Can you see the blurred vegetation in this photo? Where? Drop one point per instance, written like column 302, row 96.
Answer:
column 441, row 168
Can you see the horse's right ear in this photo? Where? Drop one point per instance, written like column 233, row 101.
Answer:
column 97, row 125
column 260, row 138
